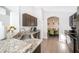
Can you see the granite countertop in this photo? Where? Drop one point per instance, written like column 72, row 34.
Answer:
column 32, row 32
column 19, row 46
column 70, row 35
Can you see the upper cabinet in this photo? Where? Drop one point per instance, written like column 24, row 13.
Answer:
column 29, row 20
column 78, row 10
column 78, row 13
column 73, row 19
column 77, row 22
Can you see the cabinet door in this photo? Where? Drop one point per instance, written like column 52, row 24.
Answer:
column 32, row 21
column 77, row 27
column 35, row 21
column 29, row 20
column 78, row 10
column 24, row 21
column 71, row 20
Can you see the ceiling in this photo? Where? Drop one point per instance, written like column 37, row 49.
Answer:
column 59, row 8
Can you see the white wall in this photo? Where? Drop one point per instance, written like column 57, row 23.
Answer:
column 34, row 11
column 49, row 14
column 4, row 17
column 26, row 9
column 14, row 16
column 63, row 21
column 39, row 15
column 42, row 13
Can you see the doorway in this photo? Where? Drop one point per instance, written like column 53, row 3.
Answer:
column 53, row 26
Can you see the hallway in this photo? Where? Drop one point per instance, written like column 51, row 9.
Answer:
column 52, row 45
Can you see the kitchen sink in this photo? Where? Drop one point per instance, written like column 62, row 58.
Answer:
column 21, row 36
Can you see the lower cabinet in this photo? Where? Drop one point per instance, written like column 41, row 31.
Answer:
column 38, row 49
column 69, row 42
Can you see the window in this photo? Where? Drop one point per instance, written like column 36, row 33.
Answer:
column 2, row 11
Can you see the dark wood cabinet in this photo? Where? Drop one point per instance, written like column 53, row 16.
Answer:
column 38, row 49
column 29, row 20
column 73, row 20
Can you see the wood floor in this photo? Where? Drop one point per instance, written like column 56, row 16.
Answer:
column 53, row 45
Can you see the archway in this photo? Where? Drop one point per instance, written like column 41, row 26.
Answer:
column 53, row 26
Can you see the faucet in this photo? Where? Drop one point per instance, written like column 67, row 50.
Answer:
column 23, row 30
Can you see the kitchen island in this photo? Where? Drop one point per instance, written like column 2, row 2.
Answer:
column 19, row 46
